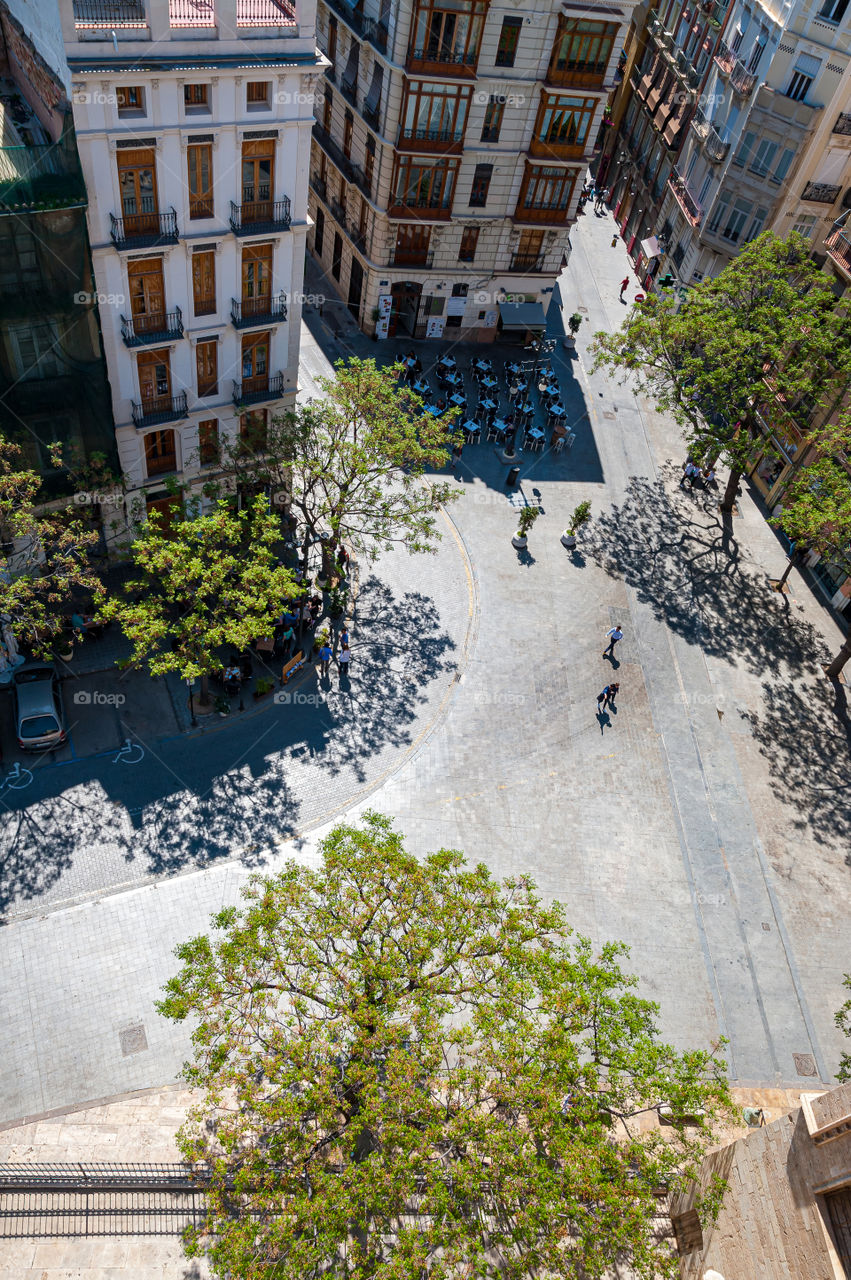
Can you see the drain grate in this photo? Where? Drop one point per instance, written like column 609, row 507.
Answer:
column 805, row 1064
column 133, row 1040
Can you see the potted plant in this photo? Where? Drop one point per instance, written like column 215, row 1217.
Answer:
column 528, row 516
column 337, row 601
column 575, row 523
column 573, row 325
column 262, row 687
column 222, row 705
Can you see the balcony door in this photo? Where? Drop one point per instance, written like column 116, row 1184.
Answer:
column 154, row 379
column 530, row 245
column 256, row 279
column 258, row 180
column 147, row 294
column 255, row 362
column 137, row 180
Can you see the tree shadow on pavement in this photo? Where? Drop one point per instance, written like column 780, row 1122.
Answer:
column 236, row 792
column 674, row 551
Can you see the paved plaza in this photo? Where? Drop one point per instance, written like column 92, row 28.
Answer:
column 704, row 822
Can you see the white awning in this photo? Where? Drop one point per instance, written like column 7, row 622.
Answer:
column 650, row 248
column 522, row 315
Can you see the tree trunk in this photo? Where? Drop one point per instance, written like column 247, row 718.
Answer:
column 793, row 560
column 729, row 499
column 204, row 697
column 835, row 668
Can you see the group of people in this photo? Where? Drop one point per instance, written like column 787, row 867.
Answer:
column 597, row 194
column 693, row 474
column 606, row 698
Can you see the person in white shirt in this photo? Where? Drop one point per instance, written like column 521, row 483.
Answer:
column 614, row 634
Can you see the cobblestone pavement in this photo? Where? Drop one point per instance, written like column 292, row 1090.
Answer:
column 703, row 822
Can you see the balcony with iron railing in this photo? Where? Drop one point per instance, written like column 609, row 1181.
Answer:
column 262, row 386
column 375, row 32
column 151, row 329
column 426, row 207
column 741, row 79
column 338, row 211
column 349, row 90
column 335, row 153
column 527, row 263
column 260, row 217
column 443, row 141
column 143, row 230
column 541, row 215
column 320, row 186
column 109, row 14
column 685, row 199
column 715, row 146
column 838, row 245
column 580, row 75
column 357, row 237
column 155, row 410
column 821, row 192
column 267, row 309
column 843, row 123
column 443, row 61
column 658, row 31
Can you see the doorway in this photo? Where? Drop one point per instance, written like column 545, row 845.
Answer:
column 404, row 308
column 355, row 288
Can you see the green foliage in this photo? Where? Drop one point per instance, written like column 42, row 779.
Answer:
column 353, row 463
column 528, row 516
column 574, row 322
column 202, row 583
column 49, row 558
column 769, row 313
column 817, row 502
column 263, row 685
column 843, row 1022
column 413, row 1070
column 581, row 514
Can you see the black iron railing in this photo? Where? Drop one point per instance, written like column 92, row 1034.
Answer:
column 269, row 309
column 143, row 230
column 263, row 386
column 154, row 410
column 159, row 326
column 260, row 215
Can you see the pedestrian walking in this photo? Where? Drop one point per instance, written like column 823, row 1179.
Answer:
column 457, row 450
column 325, row 655
column 344, row 661
column 614, row 634
column 613, row 693
column 624, row 286
column 287, row 640
column 615, row 239
column 607, row 697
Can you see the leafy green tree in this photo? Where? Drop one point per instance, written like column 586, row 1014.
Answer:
column 843, row 1022
column 47, row 556
column 816, row 513
column 764, row 333
column 351, row 465
column 202, row 583
column 412, row 1070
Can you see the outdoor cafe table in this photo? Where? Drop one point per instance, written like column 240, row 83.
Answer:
column 471, row 425
column 422, row 388
column 483, row 365
column 556, row 410
column 458, row 399
column 488, row 404
column 535, row 433
column 433, row 410
column 513, row 368
column 528, row 407
column 446, row 362
column 489, row 383
column 500, row 426
column 453, row 380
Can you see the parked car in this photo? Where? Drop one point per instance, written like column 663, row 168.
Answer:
column 39, row 718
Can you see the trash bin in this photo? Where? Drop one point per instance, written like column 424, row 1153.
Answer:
column 511, row 478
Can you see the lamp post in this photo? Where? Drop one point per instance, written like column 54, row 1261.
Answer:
column 192, row 721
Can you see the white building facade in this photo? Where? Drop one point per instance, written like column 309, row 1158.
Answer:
column 193, row 122
column 449, row 154
column 775, row 71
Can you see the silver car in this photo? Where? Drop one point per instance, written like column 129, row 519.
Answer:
column 39, row 718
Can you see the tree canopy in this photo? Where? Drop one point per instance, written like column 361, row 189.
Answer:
column 352, row 463
column 413, row 1070
column 47, row 554
column 202, row 582
column 766, row 331
column 816, row 513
